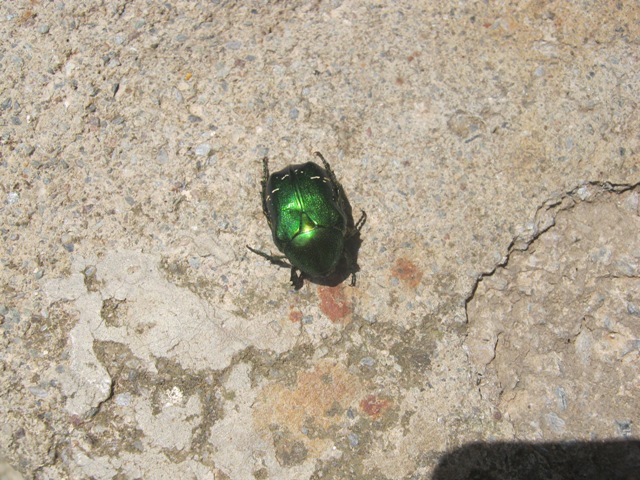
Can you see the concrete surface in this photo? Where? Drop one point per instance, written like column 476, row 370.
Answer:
column 494, row 328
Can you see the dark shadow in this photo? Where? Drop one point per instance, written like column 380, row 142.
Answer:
column 607, row 460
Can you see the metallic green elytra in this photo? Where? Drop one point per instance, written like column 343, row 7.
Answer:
column 310, row 220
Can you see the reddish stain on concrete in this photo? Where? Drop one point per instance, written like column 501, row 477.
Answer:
column 334, row 303
column 375, row 406
column 407, row 272
column 295, row 315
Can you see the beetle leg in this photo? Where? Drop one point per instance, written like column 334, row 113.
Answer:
column 361, row 221
column 265, row 179
column 296, row 280
column 351, row 266
column 275, row 259
column 324, row 162
column 359, row 224
column 332, row 177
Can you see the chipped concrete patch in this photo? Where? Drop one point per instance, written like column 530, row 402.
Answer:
column 157, row 320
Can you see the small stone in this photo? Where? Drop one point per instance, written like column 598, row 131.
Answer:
column 633, row 309
column 583, row 192
column 367, row 362
column 555, row 422
column 569, row 143
column 162, row 156
column 293, row 113
column 43, row 29
column 177, row 95
column 626, row 266
column 624, row 427
column 583, row 346
column 67, row 242
column 13, row 315
column 26, row 150
column 38, row 392
column 203, row 149
column 562, row 398
column 371, row 318
column 602, row 255
column 12, row 198
column 123, row 399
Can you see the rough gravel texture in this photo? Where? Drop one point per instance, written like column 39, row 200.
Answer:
column 494, row 331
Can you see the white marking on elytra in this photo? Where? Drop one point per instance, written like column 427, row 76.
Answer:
column 314, row 178
column 275, row 190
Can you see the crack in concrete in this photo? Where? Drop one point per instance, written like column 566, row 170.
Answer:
column 542, row 223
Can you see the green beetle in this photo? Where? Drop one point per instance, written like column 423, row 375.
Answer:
column 311, row 222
